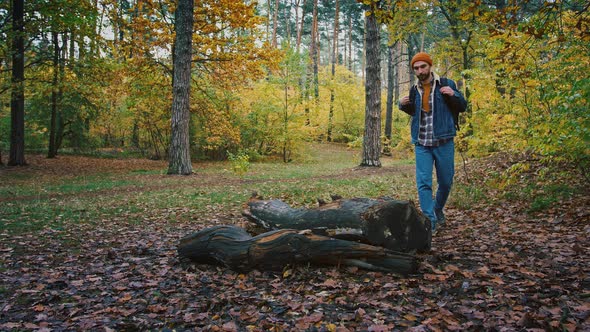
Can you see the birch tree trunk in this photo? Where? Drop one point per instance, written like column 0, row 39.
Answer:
column 180, row 160
column 372, row 135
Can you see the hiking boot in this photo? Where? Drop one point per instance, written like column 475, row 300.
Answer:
column 440, row 217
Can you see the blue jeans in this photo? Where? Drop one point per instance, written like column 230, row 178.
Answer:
column 443, row 159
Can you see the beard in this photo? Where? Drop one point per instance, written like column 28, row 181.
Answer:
column 423, row 77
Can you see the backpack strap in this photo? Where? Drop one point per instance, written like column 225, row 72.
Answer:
column 445, row 82
column 413, row 93
column 409, row 109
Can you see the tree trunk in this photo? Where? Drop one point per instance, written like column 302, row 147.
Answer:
column 180, row 160
column 285, row 134
column 17, row 100
column 315, row 52
column 389, row 106
column 392, row 224
column 350, row 43
column 312, row 70
column 334, row 59
column 398, row 66
column 232, row 247
column 462, row 40
column 275, row 19
column 287, row 16
column 72, row 51
column 268, row 8
column 344, row 48
column 372, row 135
column 300, row 30
column 61, row 123
column 52, row 150
column 412, row 45
column 302, row 79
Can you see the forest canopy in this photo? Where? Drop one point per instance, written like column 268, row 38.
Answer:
column 270, row 75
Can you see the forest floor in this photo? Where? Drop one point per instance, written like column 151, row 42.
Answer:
column 501, row 263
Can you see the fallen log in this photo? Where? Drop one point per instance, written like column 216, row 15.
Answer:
column 386, row 222
column 234, row 248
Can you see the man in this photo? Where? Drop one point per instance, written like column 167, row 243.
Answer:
column 432, row 129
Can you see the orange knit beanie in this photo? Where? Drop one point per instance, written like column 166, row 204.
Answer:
column 422, row 56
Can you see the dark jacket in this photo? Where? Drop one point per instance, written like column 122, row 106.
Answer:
column 443, row 125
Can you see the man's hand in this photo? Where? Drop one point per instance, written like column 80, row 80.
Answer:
column 405, row 100
column 445, row 90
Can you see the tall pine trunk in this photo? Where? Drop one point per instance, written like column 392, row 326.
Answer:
column 60, row 93
column 179, row 158
column 275, row 20
column 350, row 43
column 316, row 52
column 300, row 29
column 372, row 136
column 56, row 127
column 334, row 56
column 17, row 100
column 312, row 68
column 390, row 84
column 52, row 149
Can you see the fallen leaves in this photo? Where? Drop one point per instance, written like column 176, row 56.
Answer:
column 140, row 284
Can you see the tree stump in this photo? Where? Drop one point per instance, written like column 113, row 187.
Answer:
column 392, row 224
column 234, row 248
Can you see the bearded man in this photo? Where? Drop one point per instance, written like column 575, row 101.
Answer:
column 432, row 129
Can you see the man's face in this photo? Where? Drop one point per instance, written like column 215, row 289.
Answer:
column 422, row 70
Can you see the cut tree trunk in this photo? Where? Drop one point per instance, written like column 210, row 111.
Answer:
column 392, row 224
column 234, row 248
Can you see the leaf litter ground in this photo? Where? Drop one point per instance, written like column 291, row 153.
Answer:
column 493, row 267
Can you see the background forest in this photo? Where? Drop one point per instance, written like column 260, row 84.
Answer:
column 270, row 75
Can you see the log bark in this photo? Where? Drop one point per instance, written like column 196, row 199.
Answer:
column 392, row 224
column 234, row 248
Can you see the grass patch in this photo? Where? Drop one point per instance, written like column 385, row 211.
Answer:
column 214, row 190
column 537, row 194
column 33, row 202
column 85, row 184
column 542, row 203
column 37, row 215
column 81, row 184
column 548, row 195
column 464, row 196
column 148, row 171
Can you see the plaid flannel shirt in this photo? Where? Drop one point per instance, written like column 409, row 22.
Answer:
column 426, row 133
